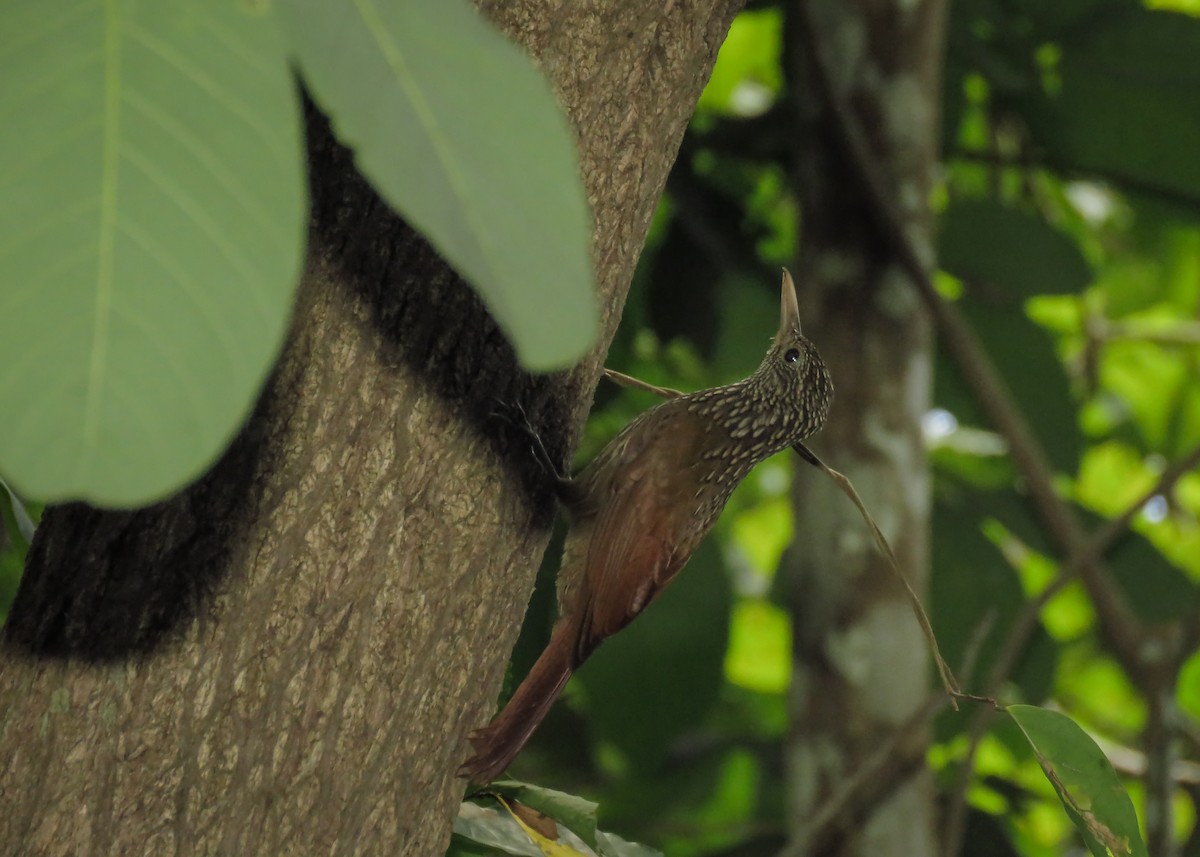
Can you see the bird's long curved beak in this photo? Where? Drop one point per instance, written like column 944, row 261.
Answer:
column 789, row 309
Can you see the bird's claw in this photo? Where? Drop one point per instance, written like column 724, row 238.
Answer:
column 514, row 415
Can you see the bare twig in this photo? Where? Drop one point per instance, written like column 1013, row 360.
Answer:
column 633, row 383
column 948, row 682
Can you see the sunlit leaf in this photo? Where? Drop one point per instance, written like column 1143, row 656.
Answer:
column 1099, row 690
column 746, row 77
column 1160, row 391
column 760, row 647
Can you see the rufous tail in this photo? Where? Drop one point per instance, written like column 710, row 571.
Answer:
column 498, row 743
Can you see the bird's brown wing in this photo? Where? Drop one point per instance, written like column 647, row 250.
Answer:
column 633, row 547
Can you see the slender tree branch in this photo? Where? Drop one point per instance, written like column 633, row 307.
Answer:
column 1159, row 740
column 633, row 383
column 1185, row 333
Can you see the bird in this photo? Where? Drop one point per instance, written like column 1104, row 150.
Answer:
column 642, row 506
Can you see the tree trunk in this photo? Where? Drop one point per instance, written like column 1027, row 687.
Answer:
column 286, row 658
column 865, row 72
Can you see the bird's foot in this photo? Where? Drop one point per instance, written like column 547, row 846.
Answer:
column 514, row 415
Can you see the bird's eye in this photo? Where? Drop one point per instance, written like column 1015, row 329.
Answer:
column 792, row 355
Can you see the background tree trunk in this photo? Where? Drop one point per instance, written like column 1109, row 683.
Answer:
column 866, row 73
column 286, row 658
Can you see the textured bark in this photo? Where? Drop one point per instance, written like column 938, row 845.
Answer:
column 861, row 664
column 286, row 658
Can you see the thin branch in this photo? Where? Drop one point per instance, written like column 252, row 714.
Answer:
column 1158, row 738
column 632, row 383
column 1186, row 333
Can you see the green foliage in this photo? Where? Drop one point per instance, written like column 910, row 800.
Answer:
column 750, row 77
column 151, row 221
column 462, row 135
column 1125, row 62
column 1084, row 780
column 575, row 813
column 152, row 211
column 492, row 823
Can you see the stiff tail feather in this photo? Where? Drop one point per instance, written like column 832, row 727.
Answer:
column 498, row 743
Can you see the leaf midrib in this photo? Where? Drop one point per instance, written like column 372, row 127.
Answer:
column 107, row 230
column 425, row 115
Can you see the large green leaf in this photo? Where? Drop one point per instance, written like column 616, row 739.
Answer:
column 462, row 135
column 151, row 229
column 1128, row 107
column 995, row 246
column 1084, row 780
column 1159, row 390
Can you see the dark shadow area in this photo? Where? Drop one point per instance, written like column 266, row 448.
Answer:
column 431, row 321
column 101, row 585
